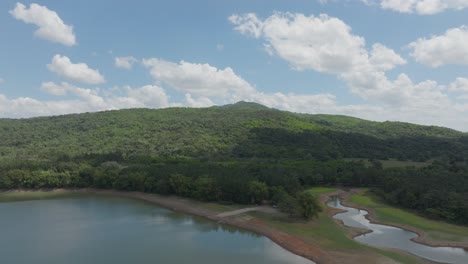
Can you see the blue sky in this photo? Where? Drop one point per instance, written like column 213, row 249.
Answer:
column 374, row 59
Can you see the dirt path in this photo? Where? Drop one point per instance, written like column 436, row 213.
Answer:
column 245, row 210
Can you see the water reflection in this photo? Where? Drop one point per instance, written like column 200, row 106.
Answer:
column 393, row 237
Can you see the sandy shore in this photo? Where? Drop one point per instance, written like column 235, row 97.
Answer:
column 422, row 237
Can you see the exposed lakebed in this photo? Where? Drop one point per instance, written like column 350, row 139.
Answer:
column 102, row 229
column 392, row 237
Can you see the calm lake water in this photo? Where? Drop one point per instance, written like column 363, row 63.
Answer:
column 392, row 237
column 101, row 229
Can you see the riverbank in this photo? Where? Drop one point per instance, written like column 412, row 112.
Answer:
column 423, row 236
column 320, row 240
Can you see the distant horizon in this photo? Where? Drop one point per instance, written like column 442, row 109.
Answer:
column 377, row 60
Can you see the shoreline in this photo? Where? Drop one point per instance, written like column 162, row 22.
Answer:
column 288, row 242
column 421, row 238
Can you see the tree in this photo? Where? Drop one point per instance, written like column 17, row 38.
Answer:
column 258, row 191
column 205, row 189
column 308, row 205
column 180, row 184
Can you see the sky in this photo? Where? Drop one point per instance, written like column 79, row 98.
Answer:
column 374, row 59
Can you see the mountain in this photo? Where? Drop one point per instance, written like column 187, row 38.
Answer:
column 241, row 130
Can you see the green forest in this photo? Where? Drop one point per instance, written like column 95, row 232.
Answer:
column 241, row 153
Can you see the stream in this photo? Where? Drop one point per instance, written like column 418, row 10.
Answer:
column 384, row 236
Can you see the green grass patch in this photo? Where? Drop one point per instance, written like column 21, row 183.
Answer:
column 327, row 234
column 36, row 195
column 321, row 190
column 322, row 231
column 391, row 215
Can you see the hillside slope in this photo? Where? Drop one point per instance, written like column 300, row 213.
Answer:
column 241, row 130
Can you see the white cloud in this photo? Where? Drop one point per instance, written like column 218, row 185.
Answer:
column 423, row 7
column 125, row 62
column 321, row 43
column 303, row 103
column 460, row 85
column 199, row 79
column 77, row 72
column 83, row 100
column 449, row 48
column 197, row 102
column 247, row 24
column 51, row 26
column 327, row 44
column 55, row 89
column 384, row 59
column 150, row 95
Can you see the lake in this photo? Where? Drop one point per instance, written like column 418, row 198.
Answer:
column 104, row 229
column 393, row 237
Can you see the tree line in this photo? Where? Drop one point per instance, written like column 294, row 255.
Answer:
column 437, row 191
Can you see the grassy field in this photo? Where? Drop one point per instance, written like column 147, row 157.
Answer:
column 321, row 190
column 326, row 233
column 391, row 215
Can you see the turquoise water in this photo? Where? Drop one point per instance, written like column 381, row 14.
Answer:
column 101, row 229
column 393, row 237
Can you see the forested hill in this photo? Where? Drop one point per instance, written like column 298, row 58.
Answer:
column 242, row 153
column 242, row 130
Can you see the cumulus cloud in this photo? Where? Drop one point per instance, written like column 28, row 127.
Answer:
column 51, row 26
column 83, row 100
column 247, row 24
column 383, row 58
column 77, row 72
column 198, row 102
column 125, row 62
column 423, row 7
column 449, row 48
column 321, row 43
column 55, row 89
column 460, row 87
column 199, row 79
column 327, row 44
